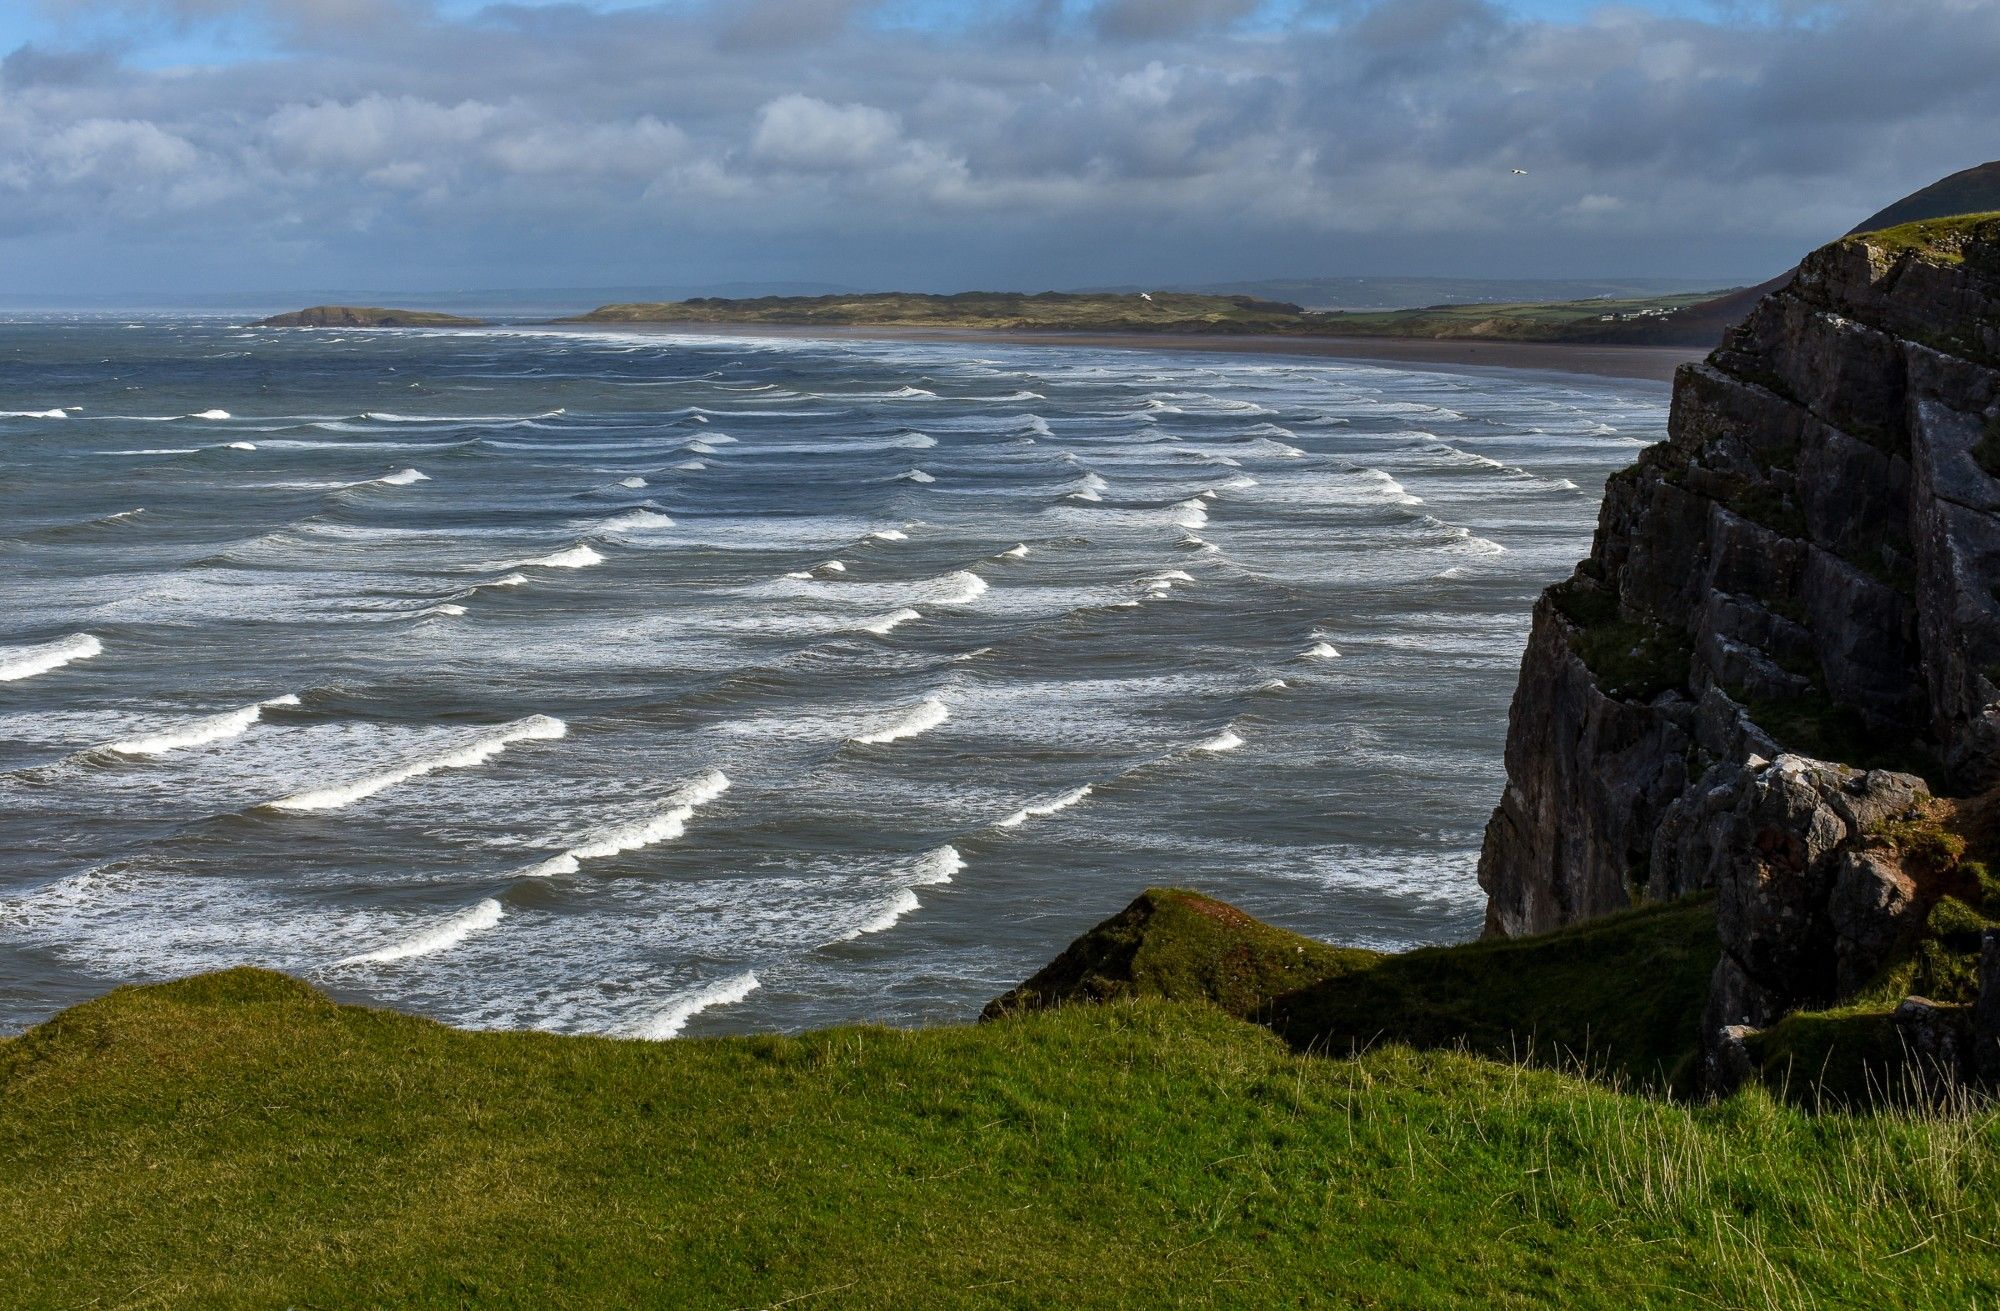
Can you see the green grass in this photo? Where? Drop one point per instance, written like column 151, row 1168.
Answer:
column 1937, row 241
column 1619, row 995
column 238, row 1141
column 1575, row 320
column 1060, row 311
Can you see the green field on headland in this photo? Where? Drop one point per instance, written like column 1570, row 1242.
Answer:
column 1650, row 320
column 240, row 1140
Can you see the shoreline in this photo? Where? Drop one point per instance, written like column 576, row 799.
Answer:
column 1641, row 363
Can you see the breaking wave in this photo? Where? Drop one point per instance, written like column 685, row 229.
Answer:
column 666, row 826
column 535, row 728
column 18, row 662
column 441, row 937
column 924, row 717
column 1044, row 808
column 200, row 732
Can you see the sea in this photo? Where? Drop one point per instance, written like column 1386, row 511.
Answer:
column 655, row 684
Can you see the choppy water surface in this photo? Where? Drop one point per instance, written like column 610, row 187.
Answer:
column 653, row 684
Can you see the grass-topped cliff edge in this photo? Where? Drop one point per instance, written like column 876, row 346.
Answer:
column 240, row 1140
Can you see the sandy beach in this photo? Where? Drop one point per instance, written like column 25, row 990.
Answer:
column 1651, row 363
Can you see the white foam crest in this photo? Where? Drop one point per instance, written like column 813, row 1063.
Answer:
column 1196, row 542
column 1226, row 740
column 580, row 556
column 669, row 1022
column 936, row 866
column 691, row 464
column 379, row 416
column 200, row 732
column 915, row 476
column 32, row 414
column 534, row 728
column 634, row 520
column 1321, row 651
column 1013, row 552
column 957, row 588
column 888, row 535
column 1191, row 513
column 449, row 609
column 442, row 937
column 922, row 718
column 634, row 482
column 404, row 477
column 18, row 662
column 889, row 622
column 1273, row 685
column 902, row 903
column 240, row 446
column 667, row 826
column 1043, row 808
column 213, row 416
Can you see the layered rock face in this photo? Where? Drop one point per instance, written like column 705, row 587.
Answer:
column 1787, row 602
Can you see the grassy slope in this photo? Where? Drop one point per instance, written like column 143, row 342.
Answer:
column 1102, row 312
column 237, row 1140
column 1621, row 994
column 1176, row 312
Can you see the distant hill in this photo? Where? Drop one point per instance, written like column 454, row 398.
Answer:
column 1974, row 191
column 1395, row 293
column 355, row 316
column 1043, row 311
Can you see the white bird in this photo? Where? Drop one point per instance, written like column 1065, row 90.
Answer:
column 1145, row 295
column 1520, row 172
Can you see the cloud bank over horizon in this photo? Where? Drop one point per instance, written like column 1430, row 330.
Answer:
column 182, row 145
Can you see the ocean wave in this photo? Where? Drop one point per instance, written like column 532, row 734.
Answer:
column 1320, row 651
column 634, row 482
column 667, row 826
column 634, row 521
column 580, row 556
column 32, row 414
column 889, row 622
column 199, row 732
column 887, row 535
column 535, row 728
column 915, row 476
column 1044, row 808
column 922, row 718
column 684, row 1007
column 441, row 937
column 1226, row 740
column 1013, row 552
column 403, row 478
column 932, row 868
column 18, row 662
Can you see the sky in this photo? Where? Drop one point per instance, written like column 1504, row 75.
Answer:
column 167, row 147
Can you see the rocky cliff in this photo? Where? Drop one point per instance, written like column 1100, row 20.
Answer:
column 1786, row 635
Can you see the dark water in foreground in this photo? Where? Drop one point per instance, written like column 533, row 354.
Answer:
column 643, row 684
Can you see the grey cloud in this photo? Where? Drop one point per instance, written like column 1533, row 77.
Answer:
column 817, row 138
column 1143, row 20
